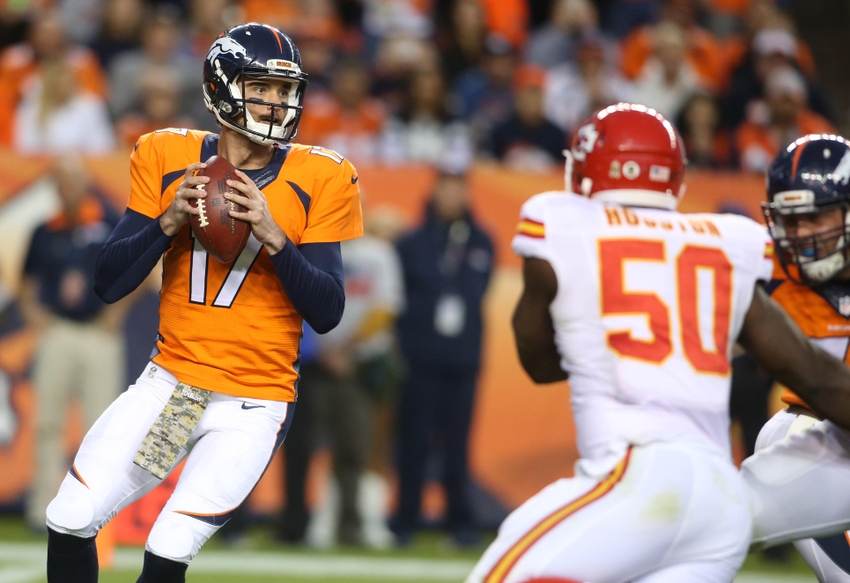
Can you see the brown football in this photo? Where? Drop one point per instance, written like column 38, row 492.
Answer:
column 221, row 235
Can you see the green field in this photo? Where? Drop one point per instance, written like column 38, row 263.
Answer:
column 259, row 560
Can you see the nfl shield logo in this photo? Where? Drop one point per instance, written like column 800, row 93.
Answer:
column 844, row 306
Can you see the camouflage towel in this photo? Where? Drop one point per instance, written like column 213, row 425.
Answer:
column 171, row 430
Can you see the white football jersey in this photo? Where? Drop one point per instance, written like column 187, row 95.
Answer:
column 649, row 305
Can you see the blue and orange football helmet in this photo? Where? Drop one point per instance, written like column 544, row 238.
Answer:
column 247, row 51
column 810, row 176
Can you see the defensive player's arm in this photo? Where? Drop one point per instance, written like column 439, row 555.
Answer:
column 129, row 255
column 773, row 339
column 532, row 323
column 312, row 277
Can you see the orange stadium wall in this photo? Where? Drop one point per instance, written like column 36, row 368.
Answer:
column 514, row 451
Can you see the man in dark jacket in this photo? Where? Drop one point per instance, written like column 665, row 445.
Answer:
column 447, row 262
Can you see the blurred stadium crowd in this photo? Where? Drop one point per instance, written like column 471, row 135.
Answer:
column 395, row 81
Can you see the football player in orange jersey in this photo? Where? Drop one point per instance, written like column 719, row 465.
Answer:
column 221, row 385
column 808, row 212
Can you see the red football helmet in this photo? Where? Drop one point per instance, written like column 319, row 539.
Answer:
column 628, row 154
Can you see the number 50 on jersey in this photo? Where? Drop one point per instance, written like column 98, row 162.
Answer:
column 703, row 288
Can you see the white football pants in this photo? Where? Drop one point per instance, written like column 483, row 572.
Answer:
column 228, row 451
column 799, row 476
column 668, row 513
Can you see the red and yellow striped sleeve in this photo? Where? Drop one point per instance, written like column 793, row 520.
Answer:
column 530, row 239
column 531, row 228
column 769, row 250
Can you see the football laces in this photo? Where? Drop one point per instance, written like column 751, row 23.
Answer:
column 202, row 213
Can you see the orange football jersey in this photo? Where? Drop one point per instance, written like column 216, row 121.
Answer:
column 815, row 316
column 230, row 328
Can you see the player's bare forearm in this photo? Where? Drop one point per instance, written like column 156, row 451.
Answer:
column 533, row 329
column 777, row 343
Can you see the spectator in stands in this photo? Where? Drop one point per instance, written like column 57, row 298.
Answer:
column 446, row 261
column 555, row 43
column 723, row 17
column 319, row 54
column 575, row 90
column 397, row 62
column 772, row 48
column 383, row 377
column 483, row 94
column 424, row 130
column 348, row 121
column 393, row 20
column 667, row 78
column 778, row 121
column 11, row 323
column 207, row 19
column 120, row 30
column 160, row 49
column 508, row 18
column 14, row 22
column 290, row 526
column 282, row 15
column 81, row 18
column 55, row 116
column 703, row 53
column 707, row 142
column 20, row 67
column 528, row 141
column 358, row 365
column 764, row 15
column 624, row 16
column 157, row 106
column 462, row 40
column 80, row 349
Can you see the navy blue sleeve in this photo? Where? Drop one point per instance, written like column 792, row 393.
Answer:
column 313, row 278
column 128, row 256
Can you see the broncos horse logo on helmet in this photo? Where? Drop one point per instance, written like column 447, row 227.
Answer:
column 807, row 179
column 226, row 45
column 246, row 51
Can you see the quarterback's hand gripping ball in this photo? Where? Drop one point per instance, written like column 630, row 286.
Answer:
column 221, row 235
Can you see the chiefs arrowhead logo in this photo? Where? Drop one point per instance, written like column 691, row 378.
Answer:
column 587, row 136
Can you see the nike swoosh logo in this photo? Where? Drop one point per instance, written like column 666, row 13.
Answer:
column 354, row 179
column 246, row 406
